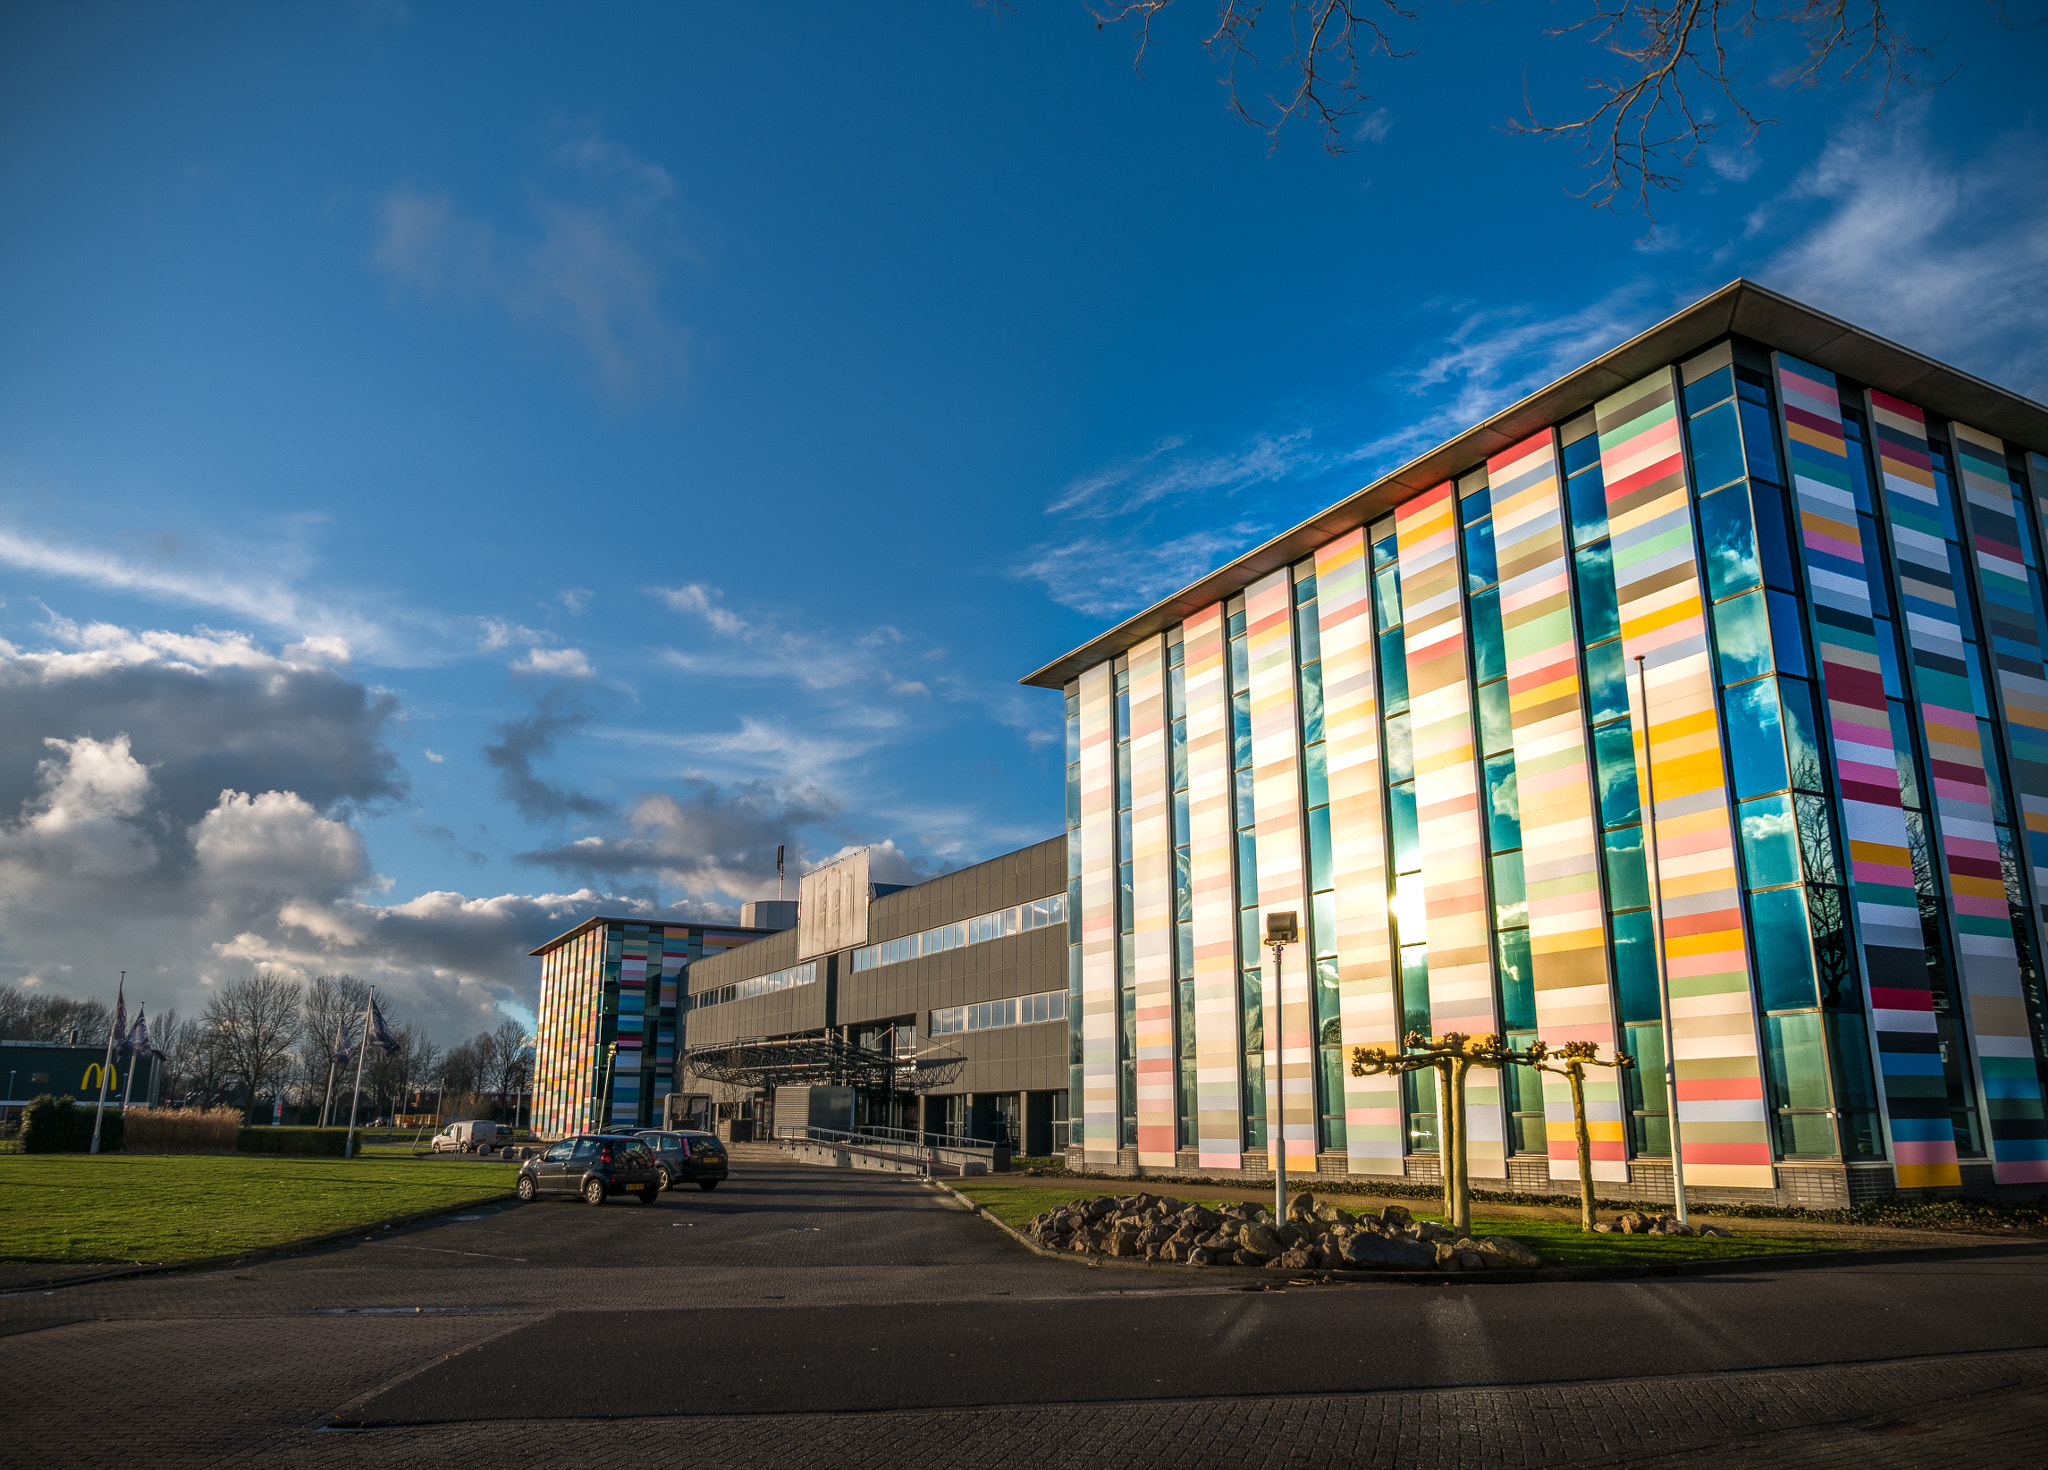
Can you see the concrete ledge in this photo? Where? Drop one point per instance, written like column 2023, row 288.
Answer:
column 1796, row 1261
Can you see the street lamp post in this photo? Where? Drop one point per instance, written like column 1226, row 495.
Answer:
column 604, row 1097
column 1663, row 975
column 1282, row 929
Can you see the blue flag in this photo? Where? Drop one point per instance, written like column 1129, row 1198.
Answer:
column 342, row 1049
column 378, row 1034
column 121, row 1025
column 138, row 1038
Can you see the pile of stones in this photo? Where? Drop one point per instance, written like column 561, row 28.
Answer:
column 1315, row 1236
column 1635, row 1222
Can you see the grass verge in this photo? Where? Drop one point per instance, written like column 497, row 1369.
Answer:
column 179, row 1207
column 1559, row 1242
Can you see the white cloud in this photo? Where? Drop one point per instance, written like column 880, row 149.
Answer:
column 1374, row 126
column 274, row 844
column 1134, row 484
column 1103, row 575
column 565, row 663
column 433, row 755
column 82, row 823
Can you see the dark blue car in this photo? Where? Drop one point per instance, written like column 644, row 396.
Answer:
column 684, row 1157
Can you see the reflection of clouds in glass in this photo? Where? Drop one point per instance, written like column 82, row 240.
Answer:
column 1742, row 635
column 1766, row 826
column 1503, row 795
column 1408, row 909
column 1511, row 915
column 1400, row 751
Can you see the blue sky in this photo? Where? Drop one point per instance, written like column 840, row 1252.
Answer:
column 464, row 467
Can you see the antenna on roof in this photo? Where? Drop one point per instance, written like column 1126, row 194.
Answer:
column 778, row 872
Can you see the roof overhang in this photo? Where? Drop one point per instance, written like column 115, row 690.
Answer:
column 1740, row 308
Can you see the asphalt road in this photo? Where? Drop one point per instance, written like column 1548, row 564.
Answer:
column 803, row 1316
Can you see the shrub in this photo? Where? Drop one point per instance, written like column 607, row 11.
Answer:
column 318, row 1142
column 58, row 1125
column 183, row 1130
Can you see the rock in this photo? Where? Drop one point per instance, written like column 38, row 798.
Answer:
column 1672, row 1225
column 1505, row 1254
column 1394, row 1217
column 1301, row 1207
column 1634, row 1222
column 1329, row 1214
column 1447, row 1257
column 1122, row 1243
column 1250, row 1258
column 1289, row 1234
column 1153, row 1251
column 1298, row 1258
column 1157, row 1234
column 1217, row 1240
column 1200, row 1218
column 1365, row 1251
column 1173, row 1206
column 1717, row 1232
column 1200, row 1256
column 1084, row 1241
column 1603, row 1228
column 1471, row 1261
column 1259, row 1239
column 1098, row 1207
column 1432, row 1232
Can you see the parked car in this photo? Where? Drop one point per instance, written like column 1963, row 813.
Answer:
column 595, row 1166
column 472, row 1138
column 686, row 1157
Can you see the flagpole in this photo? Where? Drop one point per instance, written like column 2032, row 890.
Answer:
column 327, row 1098
column 348, row 1149
column 128, row 1083
column 1663, row 976
column 100, row 1112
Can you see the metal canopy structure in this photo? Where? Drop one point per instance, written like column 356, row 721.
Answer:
column 796, row 1061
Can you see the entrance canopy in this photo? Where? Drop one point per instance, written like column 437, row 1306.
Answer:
column 796, row 1061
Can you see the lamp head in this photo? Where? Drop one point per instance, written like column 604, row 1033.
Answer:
column 1282, row 927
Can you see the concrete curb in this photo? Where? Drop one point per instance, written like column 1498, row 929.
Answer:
column 282, row 1248
column 1795, row 1261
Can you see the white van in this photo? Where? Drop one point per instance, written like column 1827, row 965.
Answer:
column 472, row 1138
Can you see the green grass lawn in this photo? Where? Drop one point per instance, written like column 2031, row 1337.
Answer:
column 179, row 1207
column 1559, row 1242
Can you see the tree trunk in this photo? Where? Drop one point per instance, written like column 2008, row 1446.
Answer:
column 1576, row 1073
column 1463, row 1226
column 1447, row 1146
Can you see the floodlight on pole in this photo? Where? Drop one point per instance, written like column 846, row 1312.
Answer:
column 1282, row 929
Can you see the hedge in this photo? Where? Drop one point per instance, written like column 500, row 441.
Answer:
column 319, row 1142
column 58, row 1125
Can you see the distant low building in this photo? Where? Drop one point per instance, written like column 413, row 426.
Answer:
column 63, row 1069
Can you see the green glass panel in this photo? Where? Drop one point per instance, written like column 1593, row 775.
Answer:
column 1795, row 1061
column 1393, row 672
column 1496, row 727
column 1402, row 825
column 1607, row 683
column 1308, row 635
column 1418, row 1093
column 1614, row 764
column 1770, row 841
column 1400, row 751
column 1517, row 980
column 1386, row 597
column 1599, row 613
column 1415, row 989
column 1489, row 644
column 1784, row 950
column 1319, row 857
column 1510, row 892
column 1628, row 880
column 1503, row 804
column 1635, row 967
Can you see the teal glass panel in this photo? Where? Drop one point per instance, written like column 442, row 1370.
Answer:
column 1329, row 1003
column 1184, row 940
column 1401, row 824
column 1628, row 880
column 1503, row 804
column 1802, row 744
column 1827, row 908
column 1176, row 685
column 1796, row 1061
column 1393, row 672
column 1728, row 554
column 1586, row 494
column 1635, row 967
column 1240, row 661
column 1784, row 950
column 1496, row 727
column 1742, row 638
column 1415, row 989
column 1646, row 1093
column 1475, row 501
column 1855, row 1091
column 1859, row 465
column 1607, row 683
column 1319, row 860
column 1973, row 664
column 1386, row 597
column 1183, row 887
column 1181, row 829
column 1400, row 750
column 1902, row 753
column 1311, row 704
column 1599, row 613
column 1178, row 751
column 1517, row 980
column 1770, row 841
column 1786, row 643
column 1308, row 634
column 1252, row 997
column 1241, row 729
column 1716, row 448
column 1756, row 746
column 1817, row 845
column 1510, row 892
column 1418, row 1093
column 1481, row 570
column 1614, row 764
column 1489, row 644
column 1710, row 390
column 1304, row 589
column 1323, row 909
column 1888, row 659
column 1247, row 867
column 1805, row 1135
column 1386, row 550
column 1333, row 1134
column 1315, row 773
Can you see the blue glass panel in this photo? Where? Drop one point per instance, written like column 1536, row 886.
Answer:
column 1582, row 454
column 1773, row 539
column 1973, row 665
column 1607, row 687
column 1873, row 565
column 1496, row 728
column 1614, row 764
column 1386, row 597
column 1489, row 647
column 1628, row 880
column 1710, row 390
column 1959, row 584
column 1402, row 827
column 1393, row 671
column 1400, row 751
column 1729, row 542
column 1247, row 867
column 1240, row 663
column 1586, row 494
column 1481, row 570
column 1859, row 464
column 1180, row 815
column 1241, row 729
column 1503, row 804
column 1311, row 704
column 1183, row 887
column 1902, row 753
column 1245, row 808
column 1386, row 550
column 1635, row 967
column 1517, row 981
column 1510, row 892
column 1770, row 841
column 1802, row 750
column 1760, row 442
column 1599, row 614
column 1176, row 687
column 1888, row 659
column 1716, row 448
column 1742, row 638
column 1308, row 635
column 1784, row 949
column 1319, row 865
column 1786, row 643
column 1756, row 745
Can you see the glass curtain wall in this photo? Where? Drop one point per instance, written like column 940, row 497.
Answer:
column 1798, row 907
column 1321, row 936
column 1126, row 922
column 1251, row 999
column 1404, row 839
column 1186, row 1094
column 1516, row 976
column 1609, row 684
column 1075, row 1085
column 2015, row 860
column 1916, row 794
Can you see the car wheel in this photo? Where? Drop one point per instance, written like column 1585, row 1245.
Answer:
column 668, row 1180
column 593, row 1192
column 650, row 1193
column 527, row 1189
column 708, row 1183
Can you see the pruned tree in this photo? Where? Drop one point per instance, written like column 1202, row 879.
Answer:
column 1570, row 1062
column 1452, row 1056
column 1673, row 63
column 255, row 1020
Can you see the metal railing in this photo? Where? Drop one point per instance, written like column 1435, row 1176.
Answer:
column 929, row 1152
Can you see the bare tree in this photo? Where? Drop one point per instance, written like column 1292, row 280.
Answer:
column 255, row 1020
column 332, row 1001
column 1648, row 120
column 508, row 1053
column 26, row 1015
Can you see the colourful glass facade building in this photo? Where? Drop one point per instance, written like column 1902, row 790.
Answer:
column 1777, row 573
column 606, row 981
